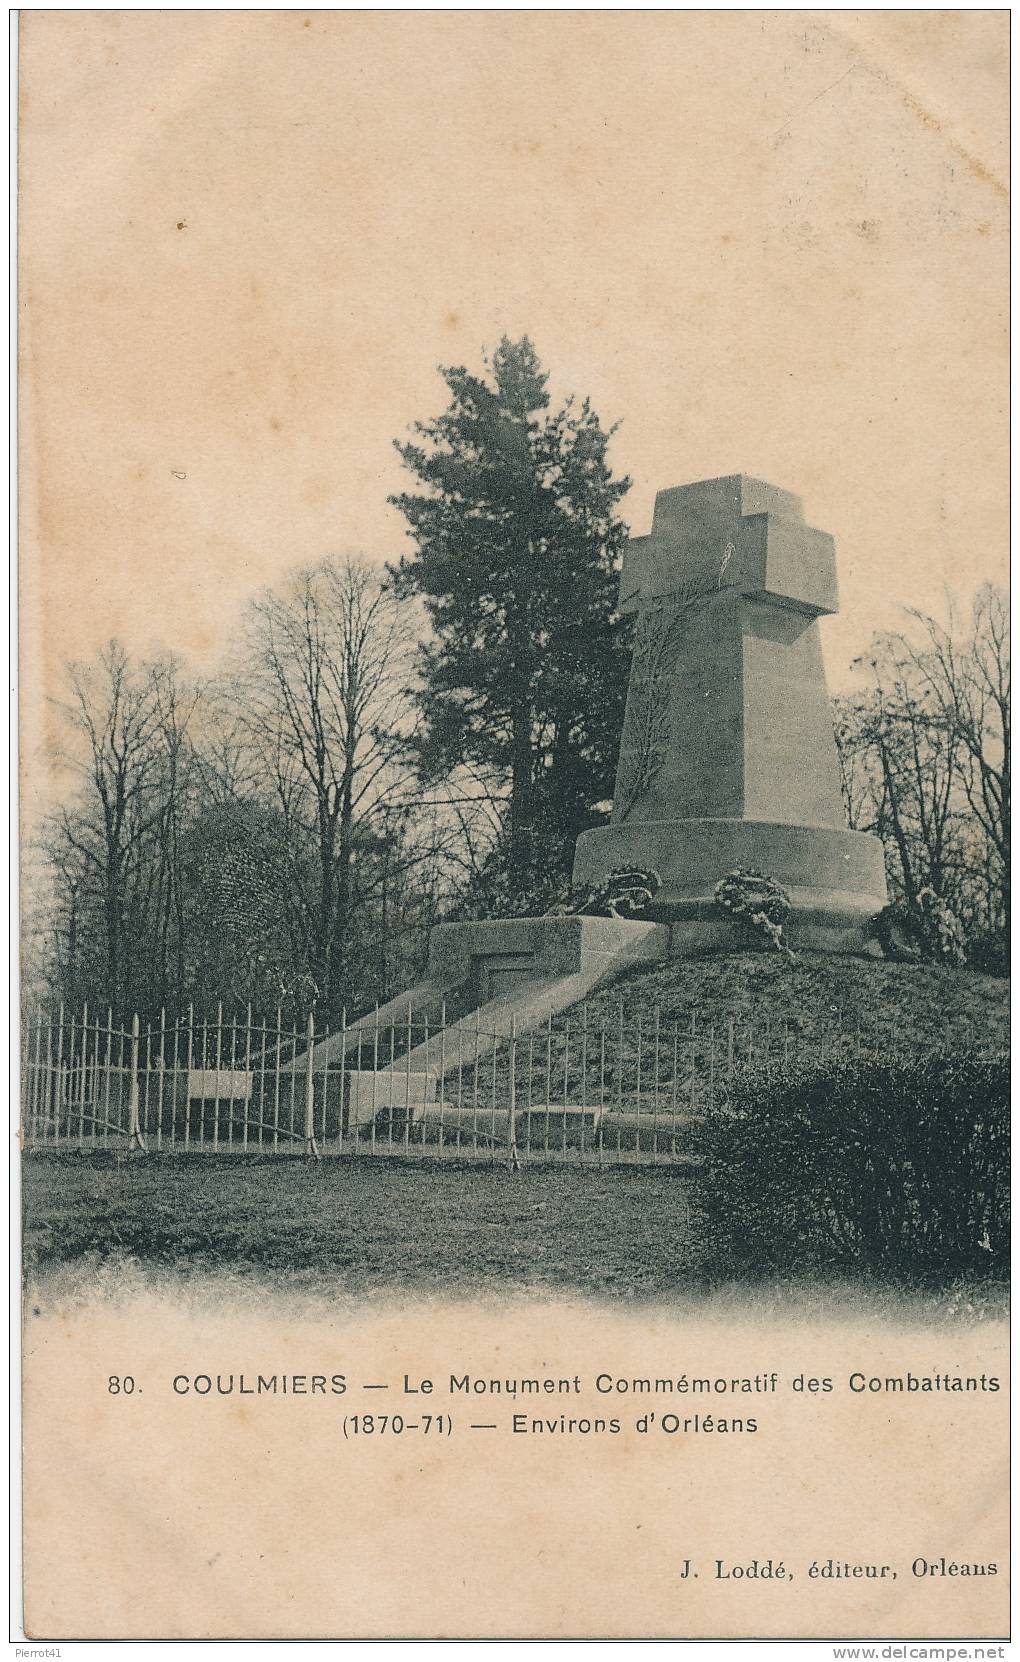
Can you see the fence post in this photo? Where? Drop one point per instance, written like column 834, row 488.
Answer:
column 514, row 1159
column 45, row 1084
column 343, row 1082
column 136, row 1140
column 218, row 1076
column 34, row 1076
column 442, row 1073
column 248, row 1080
column 82, row 1080
column 407, row 1078
column 58, row 1081
column 311, row 1147
column 187, row 1079
column 161, row 1075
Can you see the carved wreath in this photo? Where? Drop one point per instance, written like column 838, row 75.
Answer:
column 644, row 744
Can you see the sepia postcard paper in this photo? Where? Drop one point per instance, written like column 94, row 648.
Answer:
column 514, row 824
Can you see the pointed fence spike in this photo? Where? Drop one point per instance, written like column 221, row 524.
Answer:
column 135, row 1127
column 311, row 1147
column 513, row 1157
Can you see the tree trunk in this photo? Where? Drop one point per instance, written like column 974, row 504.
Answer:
column 334, row 989
column 113, row 920
column 521, row 801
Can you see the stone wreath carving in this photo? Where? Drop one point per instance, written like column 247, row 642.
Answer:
column 751, row 898
column 644, row 742
column 625, row 894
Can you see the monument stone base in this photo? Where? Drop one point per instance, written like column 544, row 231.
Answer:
column 495, row 958
column 835, row 878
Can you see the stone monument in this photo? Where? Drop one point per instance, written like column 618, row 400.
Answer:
column 727, row 757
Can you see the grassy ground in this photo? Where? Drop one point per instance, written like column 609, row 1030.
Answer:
column 893, row 1007
column 695, row 1018
column 380, row 1227
column 376, row 1224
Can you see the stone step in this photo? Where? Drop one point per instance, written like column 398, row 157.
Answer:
column 370, row 1094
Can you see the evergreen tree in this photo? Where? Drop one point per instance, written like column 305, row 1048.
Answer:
column 517, row 562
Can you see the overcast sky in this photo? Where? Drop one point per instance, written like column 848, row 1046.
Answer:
column 765, row 242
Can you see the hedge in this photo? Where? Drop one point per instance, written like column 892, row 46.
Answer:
column 878, row 1165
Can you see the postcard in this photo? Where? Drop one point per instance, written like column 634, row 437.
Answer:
column 514, row 698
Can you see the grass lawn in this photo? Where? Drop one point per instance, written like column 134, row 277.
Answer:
column 375, row 1227
column 370, row 1225
column 378, row 1227
column 897, row 1009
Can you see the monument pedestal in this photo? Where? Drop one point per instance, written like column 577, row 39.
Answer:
column 835, row 878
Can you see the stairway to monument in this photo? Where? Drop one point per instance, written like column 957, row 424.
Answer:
column 415, row 1080
column 596, row 949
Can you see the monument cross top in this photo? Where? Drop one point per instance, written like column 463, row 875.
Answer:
column 734, row 532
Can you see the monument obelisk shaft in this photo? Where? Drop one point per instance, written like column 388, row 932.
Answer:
column 727, row 756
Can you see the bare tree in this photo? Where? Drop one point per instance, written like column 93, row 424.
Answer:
column 918, row 772
column 112, row 719
column 861, row 782
column 113, row 845
column 966, row 672
column 175, row 703
column 924, row 758
column 322, row 696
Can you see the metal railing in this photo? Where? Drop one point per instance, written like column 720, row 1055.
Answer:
column 592, row 1086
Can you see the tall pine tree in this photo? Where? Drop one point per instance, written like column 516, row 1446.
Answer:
column 518, row 547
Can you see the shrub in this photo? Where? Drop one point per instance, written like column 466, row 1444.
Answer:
column 989, row 953
column 889, row 1166
column 928, row 929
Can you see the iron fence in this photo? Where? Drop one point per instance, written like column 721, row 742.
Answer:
column 589, row 1086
